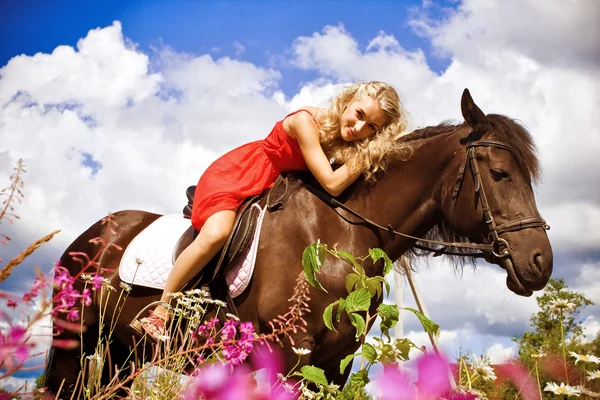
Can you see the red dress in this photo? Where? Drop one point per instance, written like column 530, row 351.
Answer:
column 245, row 171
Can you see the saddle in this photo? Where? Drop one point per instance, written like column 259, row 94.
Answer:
column 213, row 275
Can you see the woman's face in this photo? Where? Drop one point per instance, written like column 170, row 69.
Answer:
column 362, row 118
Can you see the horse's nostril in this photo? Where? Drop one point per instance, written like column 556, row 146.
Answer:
column 538, row 260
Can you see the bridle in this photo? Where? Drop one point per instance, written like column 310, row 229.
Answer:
column 493, row 244
column 496, row 245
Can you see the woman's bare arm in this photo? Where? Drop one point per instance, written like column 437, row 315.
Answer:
column 302, row 127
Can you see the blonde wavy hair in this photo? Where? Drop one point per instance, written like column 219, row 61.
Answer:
column 371, row 154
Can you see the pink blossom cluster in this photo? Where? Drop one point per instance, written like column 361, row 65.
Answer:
column 14, row 346
column 219, row 381
column 235, row 350
column 67, row 296
column 38, row 284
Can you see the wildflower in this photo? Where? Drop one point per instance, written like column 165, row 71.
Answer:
column 73, row 314
column 593, row 375
column 236, row 351
column 433, row 376
column 11, row 303
column 202, row 293
column 393, row 384
column 164, row 338
column 14, row 346
column 539, row 354
column 86, row 277
column 126, row 287
column 301, row 351
column 589, row 358
column 481, row 367
column 562, row 389
column 559, row 305
column 175, row 295
column 216, row 381
column 219, row 303
column 97, row 282
column 289, row 388
column 86, row 295
column 229, row 315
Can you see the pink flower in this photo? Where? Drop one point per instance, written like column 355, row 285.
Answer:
column 14, row 345
column 87, row 297
column 434, row 379
column 73, row 314
column 394, row 384
column 235, row 350
column 229, row 330
column 11, row 304
column 522, row 379
column 218, row 382
column 97, row 282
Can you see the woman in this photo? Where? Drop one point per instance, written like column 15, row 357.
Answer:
column 358, row 130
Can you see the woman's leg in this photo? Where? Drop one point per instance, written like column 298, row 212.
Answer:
column 193, row 259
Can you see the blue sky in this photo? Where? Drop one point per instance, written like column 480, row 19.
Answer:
column 264, row 28
column 76, row 126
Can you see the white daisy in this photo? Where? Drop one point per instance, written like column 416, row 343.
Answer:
column 231, row 316
column 219, row 303
column 593, row 375
column 301, row 351
column 482, row 367
column 562, row 389
column 589, row 358
column 558, row 305
column 126, row 287
column 539, row 354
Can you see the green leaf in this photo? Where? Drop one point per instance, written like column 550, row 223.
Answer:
column 313, row 258
column 351, row 280
column 428, row 325
column 328, row 316
column 369, row 352
column 359, row 300
column 313, row 374
column 389, row 315
column 387, row 287
column 378, row 254
column 403, row 347
column 374, row 286
column 349, row 258
column 342, row 303
column 344, row 363
column 360, row 378
column 359, row 323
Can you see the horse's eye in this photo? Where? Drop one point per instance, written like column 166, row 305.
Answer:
column 498, row 174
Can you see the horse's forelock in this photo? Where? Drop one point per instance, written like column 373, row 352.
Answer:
column 521, row 142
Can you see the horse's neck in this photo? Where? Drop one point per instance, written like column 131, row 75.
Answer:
column 408, row 196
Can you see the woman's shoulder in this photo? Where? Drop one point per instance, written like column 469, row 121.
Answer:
column 302, row 118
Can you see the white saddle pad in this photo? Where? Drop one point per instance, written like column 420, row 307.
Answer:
column 148, row 259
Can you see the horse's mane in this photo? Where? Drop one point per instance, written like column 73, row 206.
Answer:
column 505, row 130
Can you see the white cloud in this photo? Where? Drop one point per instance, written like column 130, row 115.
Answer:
column 552, row 32
column 499, row 354
column 591, row 328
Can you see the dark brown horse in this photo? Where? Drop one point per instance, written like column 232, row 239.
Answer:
column 470, row 182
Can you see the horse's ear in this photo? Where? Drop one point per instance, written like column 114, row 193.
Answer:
column 473, row 115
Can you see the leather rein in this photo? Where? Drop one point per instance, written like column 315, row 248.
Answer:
column 494, row 244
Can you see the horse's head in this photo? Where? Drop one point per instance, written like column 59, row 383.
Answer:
column 492, row 200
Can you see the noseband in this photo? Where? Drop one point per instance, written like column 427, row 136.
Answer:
column 494, row 244
column 499, row 246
